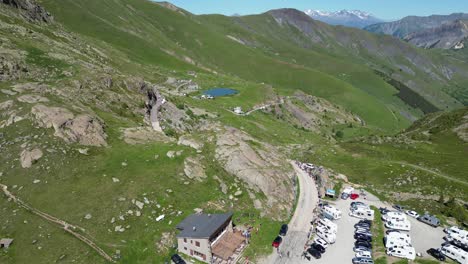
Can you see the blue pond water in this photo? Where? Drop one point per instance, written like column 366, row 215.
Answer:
column 217, row 92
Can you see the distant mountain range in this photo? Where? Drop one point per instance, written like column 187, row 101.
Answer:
column 350, row 18
column 436, row 31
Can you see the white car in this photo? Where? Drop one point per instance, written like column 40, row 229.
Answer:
column 412, row 214
column 363, row 254
column 321, row 242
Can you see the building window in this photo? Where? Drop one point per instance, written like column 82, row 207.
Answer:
column 200, row 255
column 185, row 248
column 185, row 240
column 197, row 243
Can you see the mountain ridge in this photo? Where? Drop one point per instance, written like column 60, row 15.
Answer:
column 350, row 18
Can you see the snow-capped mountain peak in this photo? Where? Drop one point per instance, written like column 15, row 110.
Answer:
column 352, row 18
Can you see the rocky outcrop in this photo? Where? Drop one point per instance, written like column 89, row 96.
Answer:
column 11, row 67
column 30, row 10
column 6, row 105
column 189, row 141
column 32, row 99
column 262, row 168
column 447, row 36
column 29, row 157
column 194, row 169
column 143, row 135
column 83, row 129
column 153, row 105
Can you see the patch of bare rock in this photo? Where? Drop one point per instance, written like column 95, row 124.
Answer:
column 194, row 169
column 83, row 129
column 143, row 135
column 32, row 99
column 29, row 157
column 262, row 168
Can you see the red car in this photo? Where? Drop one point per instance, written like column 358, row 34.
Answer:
column 277, row 242
column 354, row 196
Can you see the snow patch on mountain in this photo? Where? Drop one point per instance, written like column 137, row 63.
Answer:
column 350, row 18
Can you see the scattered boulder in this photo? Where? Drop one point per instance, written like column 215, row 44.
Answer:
column 115, row 180
column 29, row 157
column 193, row 169
column 88, row 216
column 170, row 154
column 82, row 129
column 32, row 99
column 139, row 204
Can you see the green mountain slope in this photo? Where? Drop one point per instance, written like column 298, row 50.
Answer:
column 100, row 107
column 206, row 42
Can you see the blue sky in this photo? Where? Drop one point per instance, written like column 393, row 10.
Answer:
column 385, row 9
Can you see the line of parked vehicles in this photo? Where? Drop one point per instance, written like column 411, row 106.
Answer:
column 455, row 247
column 325, row 230
column 397, row 242
column 362, row 233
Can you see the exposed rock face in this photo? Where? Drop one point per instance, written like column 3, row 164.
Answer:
column 82, row 129
column 6, row 105
column 143, row 135
column 28, row 157
column 188, row 141
column 194, row 169
column 462, row 130
column 31, row 10
column 11, row 67
column 447, row 36
column 263, row 169
column 32, row 99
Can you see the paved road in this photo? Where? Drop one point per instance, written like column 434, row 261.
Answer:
column 299, row 226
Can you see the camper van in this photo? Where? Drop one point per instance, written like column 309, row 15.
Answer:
column 459, row 241
column 331, row 212
column 326, row 235
column 399, row 225
column 328, row 224
column 397, row 239
column 456, row 230
column 402, row 252
column 362, row 212
column 394, row 216
column 455, row 253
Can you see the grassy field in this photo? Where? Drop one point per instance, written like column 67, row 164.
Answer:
column 378, row 233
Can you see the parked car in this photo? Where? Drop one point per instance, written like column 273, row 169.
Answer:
column 363, row 244
column 277, row 242
column 384, row 210
column 318, row 247
column 412, row 214
column 361, row 249
column 362, row 224
column 398, row 207
column 430, row 220
column 363, row 237
column 363, row 232
column 283, row 230
column 436, row 254
column 365, row 221
column 177, row 259
column 314, row 253
column 344, row 196
column 354, row 196
column 322, row 204
column 321, row 242
column 362, row 261
column 364, row 254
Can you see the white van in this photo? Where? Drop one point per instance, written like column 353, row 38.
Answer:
column 397, row 239
column 455, row 253
column 394, row 216
column 362, row 212
column 326, row 235
column 459, row 241
column 399, row 225
column 402, row 252
column 328, row 224
column 455, row 230
column 331, row 212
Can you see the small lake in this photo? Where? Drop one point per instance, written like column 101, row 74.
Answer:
column 218, row 92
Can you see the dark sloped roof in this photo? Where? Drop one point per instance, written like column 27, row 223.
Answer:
column 205, row 225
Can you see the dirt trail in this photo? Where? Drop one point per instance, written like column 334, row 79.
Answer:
column 450, row 178
column 66, row 226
